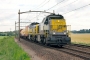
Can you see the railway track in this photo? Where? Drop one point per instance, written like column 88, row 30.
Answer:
column 84, row 53
column 78, row 45
column 75, row 50
column 80, row 52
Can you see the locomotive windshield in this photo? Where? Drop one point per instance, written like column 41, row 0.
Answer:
column 56, row 17
column 53, row 17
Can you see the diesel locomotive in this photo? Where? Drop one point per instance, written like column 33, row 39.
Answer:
column 51, row 31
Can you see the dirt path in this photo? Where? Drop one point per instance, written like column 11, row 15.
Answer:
column 37, row 52
column 27, row 49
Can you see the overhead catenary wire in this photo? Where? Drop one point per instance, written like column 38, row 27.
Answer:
column 70, row 3
column 37, row 7
column 54, row 5
column 43, row 4
column 36, row 16
column 40, row 4
column 49, row 8
column 77, row 8
column 63, row 6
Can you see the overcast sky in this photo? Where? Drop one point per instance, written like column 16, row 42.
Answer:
column 78, row 19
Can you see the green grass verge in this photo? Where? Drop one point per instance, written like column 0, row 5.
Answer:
column 9, row 50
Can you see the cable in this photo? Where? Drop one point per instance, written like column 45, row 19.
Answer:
column 40, row 4
column 70, row 3
column 39, row 7
column 55, row 5
column 49, row 8
column 77, row 8
column 36, row 16
column 44, row 4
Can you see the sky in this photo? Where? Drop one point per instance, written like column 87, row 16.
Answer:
column 76, row 19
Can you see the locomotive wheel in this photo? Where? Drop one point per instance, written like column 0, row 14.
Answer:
column 47, row 44
column 44, row 41
column 41, row 41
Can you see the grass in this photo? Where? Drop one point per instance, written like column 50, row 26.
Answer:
column 9, row 50
column 83, row 39
column 1, row 37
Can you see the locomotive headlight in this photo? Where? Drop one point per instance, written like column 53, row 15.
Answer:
column 53, row 32
column 65, row 33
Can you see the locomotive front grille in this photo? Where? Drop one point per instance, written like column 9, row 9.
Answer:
column 59, row 40
column 58, row 36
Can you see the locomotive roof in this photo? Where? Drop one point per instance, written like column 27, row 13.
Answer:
column 34, row 23
column 55, row 15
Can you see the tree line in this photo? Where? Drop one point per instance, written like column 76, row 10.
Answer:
column 8, row 33
column 81, row 31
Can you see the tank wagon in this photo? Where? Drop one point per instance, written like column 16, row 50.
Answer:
column 51, row 31
column 24, row 32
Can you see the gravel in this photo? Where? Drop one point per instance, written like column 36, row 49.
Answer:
column 38, row 52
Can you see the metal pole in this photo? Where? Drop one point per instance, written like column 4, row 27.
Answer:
column 19, row 26
column 15, row 29
column 53, row 11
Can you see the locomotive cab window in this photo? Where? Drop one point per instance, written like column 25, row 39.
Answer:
column 46, row 21
column 57, row 17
